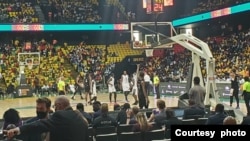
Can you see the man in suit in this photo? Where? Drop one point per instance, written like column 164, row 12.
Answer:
column 64, row 125
column 219, row 116
column 192, row 111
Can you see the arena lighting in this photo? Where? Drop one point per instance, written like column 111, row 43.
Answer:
column 213, row 14
column 62, row 27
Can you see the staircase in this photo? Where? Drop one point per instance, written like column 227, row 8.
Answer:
column 40, row 14
column 67, row 65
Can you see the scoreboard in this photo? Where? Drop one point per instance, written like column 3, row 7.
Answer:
column 156, row 6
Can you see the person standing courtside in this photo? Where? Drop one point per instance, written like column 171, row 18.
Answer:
column 234, row 91
column 246, row 93
column 197, row 93
column 125, row 85
column 61, row 86
column 156, row 85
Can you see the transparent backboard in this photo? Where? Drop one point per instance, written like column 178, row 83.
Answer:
column 149, row 35
column 28, row 58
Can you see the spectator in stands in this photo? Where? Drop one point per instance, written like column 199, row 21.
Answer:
column 229, row 120
column 131, row 115
column 142, row 125
column 11, row 116
column 96, row 109
column 80, row 107
column 193, row 112
column 170, row 120
column 104, row 120
column 197, row 93
column 117, row 107
column 246, row 93
column 122, row 115
column 64, row 125
column 158, row 115
column 246, row 120
column 234, row 88
column 43, row 106
column 219, row 116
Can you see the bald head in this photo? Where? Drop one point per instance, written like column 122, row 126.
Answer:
column 61, row 102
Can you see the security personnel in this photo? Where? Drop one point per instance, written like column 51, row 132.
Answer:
column 156, row 85
column 246, row 93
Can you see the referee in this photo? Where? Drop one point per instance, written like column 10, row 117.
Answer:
column 246, row 93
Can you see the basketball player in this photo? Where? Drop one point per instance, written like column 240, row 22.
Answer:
column 79, row 85
column 142, row 93
column 134, row 83
column 111, row 87
column 125, row 85
column 88, row 87
column 93, row 89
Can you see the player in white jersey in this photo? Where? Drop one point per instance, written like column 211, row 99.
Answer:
column 125, row 85
column 94, row 93
column 111, row 87
column 134, row 84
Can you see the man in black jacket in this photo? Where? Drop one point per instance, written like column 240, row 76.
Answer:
column 219, row 116
column 42, row 110
column 64, row 125
column 193, row 112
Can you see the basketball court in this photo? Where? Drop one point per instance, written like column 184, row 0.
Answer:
column 27, row 106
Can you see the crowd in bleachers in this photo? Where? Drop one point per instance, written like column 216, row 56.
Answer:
column 209, row 5
column 47, row 71
column 129, row 123
column 230, row 52
column 73, row 11
column 18, row 11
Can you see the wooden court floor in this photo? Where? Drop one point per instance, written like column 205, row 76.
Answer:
column 26, row 106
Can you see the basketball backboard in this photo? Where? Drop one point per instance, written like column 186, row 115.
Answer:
column 29, row 58
column 149, row 35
